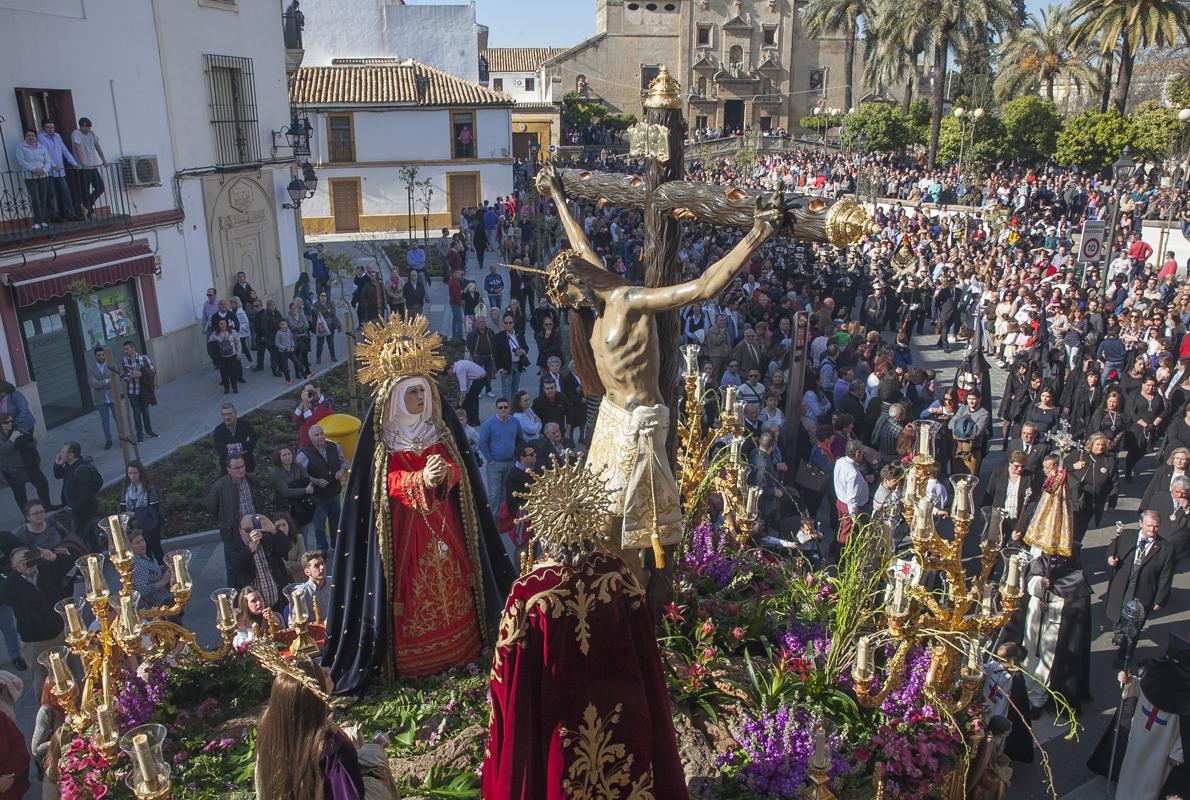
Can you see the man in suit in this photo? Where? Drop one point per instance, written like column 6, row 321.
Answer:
column 551, row 405
column 853, row 402
column 1142, row 570
column 517, row 481
column 508, row 354
column 946, row 304
column 1174, row 509
column 1035, row 450
column 552, row 444
column 1008, row 490
column 230, row 498
column 748, row 354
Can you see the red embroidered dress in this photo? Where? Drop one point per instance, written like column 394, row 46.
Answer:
column 435, row 626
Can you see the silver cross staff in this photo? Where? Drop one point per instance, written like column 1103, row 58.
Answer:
column 1063, row 439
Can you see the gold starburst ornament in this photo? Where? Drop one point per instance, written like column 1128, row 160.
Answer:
column 398, row 348
column 266, row 654
column 566, row 507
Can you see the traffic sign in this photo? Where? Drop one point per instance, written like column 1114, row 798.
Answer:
column 553, row 148
column 1090, row 249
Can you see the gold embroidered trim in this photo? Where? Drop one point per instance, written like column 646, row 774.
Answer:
column 599, row 768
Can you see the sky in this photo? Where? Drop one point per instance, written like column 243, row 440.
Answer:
column 553, row 23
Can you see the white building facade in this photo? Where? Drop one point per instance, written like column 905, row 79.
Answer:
column 184, row 99
column 536, row 120
column 374, row 120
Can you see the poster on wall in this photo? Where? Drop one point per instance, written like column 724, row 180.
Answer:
column 107, row 315
column 818, row 80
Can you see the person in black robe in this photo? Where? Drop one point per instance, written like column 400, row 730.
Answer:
column 358, row 643
column 1083, row 400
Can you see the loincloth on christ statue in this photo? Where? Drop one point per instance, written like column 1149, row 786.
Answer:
column 628, row 453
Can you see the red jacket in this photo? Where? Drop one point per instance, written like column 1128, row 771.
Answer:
column 311, row 418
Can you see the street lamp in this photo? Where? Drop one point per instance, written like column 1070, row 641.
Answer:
column 302, row 188
column 1121, row 171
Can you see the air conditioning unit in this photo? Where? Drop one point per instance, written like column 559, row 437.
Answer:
column 140, row 171
column 520, row 82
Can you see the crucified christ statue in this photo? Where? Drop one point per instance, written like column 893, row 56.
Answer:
column 614, row 342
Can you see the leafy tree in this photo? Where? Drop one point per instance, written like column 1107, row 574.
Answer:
column 578, row 112
column 1179, row 91
column 1031, row 126
column 838, row 17
column 876, row 126
column 1092, row 140
column 1040, row 55
column 819, row 123
column 919, row 121
column 1126, row 27
column 1156, row 127
column 988, row 134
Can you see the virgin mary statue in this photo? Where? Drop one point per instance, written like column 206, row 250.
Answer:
column 419, row 574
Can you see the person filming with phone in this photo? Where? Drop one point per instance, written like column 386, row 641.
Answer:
column 260, row 562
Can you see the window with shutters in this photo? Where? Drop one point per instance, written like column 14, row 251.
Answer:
column 340, row 138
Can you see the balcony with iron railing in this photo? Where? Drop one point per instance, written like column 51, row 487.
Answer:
column 292, row 24
column 32, row 207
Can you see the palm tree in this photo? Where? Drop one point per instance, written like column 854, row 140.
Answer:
column 1040, row 54
column 833, row 17
column 943, row 22
column 1127, row 26
column 888, row 60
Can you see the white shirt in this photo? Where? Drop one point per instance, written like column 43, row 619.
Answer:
column 850, row 487
column 1010, row 496
column 466, row 371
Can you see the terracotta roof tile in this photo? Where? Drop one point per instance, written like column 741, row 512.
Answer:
column 378, row 81
column 518, row 59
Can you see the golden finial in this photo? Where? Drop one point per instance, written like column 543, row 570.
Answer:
column 664, row 91
column 397, row 348
column 566, row 507
column 847, row 222
column 266, row 654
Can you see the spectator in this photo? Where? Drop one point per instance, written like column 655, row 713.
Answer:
column 149, row 577
column 525, row 416
column 414, row 294
column 234, row 436
column 508, row 355
column 267, row 321
column 140, row 381
column 34, row 161
column 498, row 438
column 481, row 345
column 393, row 294
column 242, row 290
column 139, row 498
column 39, row 530
column 851, row 491
column 12, row 466
column 90, row 157
column 312, row 407
column 454, row 290
column 293, row 491
column 295, row 545
column 517, row 481
column 231, row 498
column 244, row 330
column 318, row 269
column 227, row 344
column 493, row 285
column 99, row 378
column 415, row 258
column 81, row 483
column 299, row 326
column 260, row 559
column 61, row 204
column 32, row 589
column 46, row 742
column 550, row 405
column 325, row 323
column 254, row 618
column 286, row 350
column 316, row 588
column 326, row 465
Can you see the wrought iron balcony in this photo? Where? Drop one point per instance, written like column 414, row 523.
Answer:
column 33, row 208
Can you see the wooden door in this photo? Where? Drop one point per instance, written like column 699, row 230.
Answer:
column 345, row 205
column 463, row 192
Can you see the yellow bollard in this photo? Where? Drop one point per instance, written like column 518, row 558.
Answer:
column 343, row 430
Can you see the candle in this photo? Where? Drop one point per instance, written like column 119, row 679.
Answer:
column 128, row 615
column 297, row 609
column 734, row 450
column 119, row 542
column 729, row 398
column 1012, row 579
column 691, row 359
column 107, row 725
column 181, row 580
column 753, row 500
column 739, row 412
column 910, row 484
column 145, row 762
column 702, row 383
column 74, row 623
column 861, row 656
column 962, row 499
column 226, row 617
column 60, row 674
column 923, row 440
column 820, row 755
column 973, row 656
column 985, row 599
column 898, row 594
column 95, row 570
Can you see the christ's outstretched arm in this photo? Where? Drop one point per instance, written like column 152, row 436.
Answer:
column 548, row 181
column 768, row 217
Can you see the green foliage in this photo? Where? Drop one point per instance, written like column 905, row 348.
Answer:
column 819, row 123
column 619, row 122
column 919, row 121
column 856, row 592
column 1092, row 140
column 877, row 126
column 579, row 111
column 1179, row 90
column 1031, row 127
column 449, row 783
column 990, row 140
column 1156, row 127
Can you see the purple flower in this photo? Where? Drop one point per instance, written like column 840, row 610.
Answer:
column 774, row 753
column 711, row 555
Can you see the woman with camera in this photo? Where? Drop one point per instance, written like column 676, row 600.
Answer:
column 293, row 491
column 260, row 559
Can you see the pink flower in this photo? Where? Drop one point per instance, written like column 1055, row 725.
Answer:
column 674, row 613
column 708, row 653
column 737, row 634
column 707, row 628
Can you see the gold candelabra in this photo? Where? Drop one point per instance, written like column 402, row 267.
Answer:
column 950, row 623
column 696, row 449
column 123, row 631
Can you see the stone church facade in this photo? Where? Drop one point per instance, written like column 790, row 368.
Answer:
column 741, row 63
